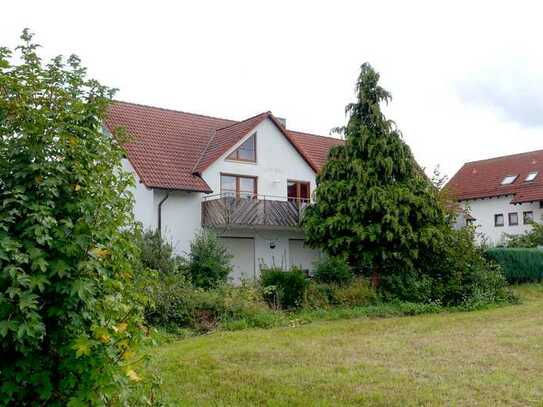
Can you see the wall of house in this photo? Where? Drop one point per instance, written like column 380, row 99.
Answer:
column 181, row 217
column 181, row 212
column 483, row 210
column 271, row 247
column 277, row 162
column 144, row 208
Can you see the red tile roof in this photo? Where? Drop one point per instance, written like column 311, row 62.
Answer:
column 315, row 147
column 482, row 179
column 168, row 147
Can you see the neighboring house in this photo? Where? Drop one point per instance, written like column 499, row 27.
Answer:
column 501, row 195
column 249, row 181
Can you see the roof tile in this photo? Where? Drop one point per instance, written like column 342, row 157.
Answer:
column 482, row 179
column 168, row 146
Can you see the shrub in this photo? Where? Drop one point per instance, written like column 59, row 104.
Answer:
column 450, row 274
column 284, row 289
column 333, row 269
column 69, row 317
column 157, row 254
column 356, row 294
column 529, row 239
column 519, row 265
column 208, row 262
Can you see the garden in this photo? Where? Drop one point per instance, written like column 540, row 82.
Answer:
column 86, row 295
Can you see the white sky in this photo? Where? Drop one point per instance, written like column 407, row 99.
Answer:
column 466, row 76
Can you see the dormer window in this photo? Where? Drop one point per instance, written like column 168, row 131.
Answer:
column 245, row 152
column 509, row 179
column 531, row 176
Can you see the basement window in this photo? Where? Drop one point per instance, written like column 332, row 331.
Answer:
column 509, row 179
column 531, row 176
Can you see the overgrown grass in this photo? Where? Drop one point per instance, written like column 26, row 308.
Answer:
column 485, row 357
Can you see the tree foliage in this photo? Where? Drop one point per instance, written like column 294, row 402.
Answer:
column 69, row 317
column 374, row 205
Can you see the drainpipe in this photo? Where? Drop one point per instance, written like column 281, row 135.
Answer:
column 160, row 212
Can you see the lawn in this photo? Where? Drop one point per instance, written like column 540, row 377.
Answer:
column 490, row 357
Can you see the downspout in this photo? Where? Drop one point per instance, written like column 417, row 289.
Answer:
column 160, row 212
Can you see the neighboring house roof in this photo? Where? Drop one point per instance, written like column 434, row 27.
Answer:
column 170, row 148
column 483, row 179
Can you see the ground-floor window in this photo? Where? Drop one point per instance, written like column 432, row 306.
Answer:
column 498, row 219
column 513, row 219
column 528, row 217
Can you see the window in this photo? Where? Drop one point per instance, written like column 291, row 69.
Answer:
column 498, row 219
column 528, row 217
column 245, row 152
column 509, row 179
column 513, row 219
column 531, row 176
column 238, row 186
column 298, row 191
column 470, row 221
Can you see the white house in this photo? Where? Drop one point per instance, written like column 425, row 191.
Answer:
column 249, row 181
column 501, row 195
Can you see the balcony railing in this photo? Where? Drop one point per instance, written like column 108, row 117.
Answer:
column 257, row 210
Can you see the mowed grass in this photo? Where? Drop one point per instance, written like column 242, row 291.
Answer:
column 490, row 357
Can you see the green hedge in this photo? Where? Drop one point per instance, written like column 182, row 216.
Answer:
column 519, row 265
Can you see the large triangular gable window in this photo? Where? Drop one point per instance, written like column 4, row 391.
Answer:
column 245, row 152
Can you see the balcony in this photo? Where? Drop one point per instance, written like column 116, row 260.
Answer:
column 257, row 210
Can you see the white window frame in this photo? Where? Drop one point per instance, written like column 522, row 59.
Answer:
column 509, row 179
column 531, row 176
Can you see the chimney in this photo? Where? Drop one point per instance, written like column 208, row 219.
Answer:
column 283, row 121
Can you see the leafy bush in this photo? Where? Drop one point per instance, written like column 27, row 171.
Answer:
column 69, row 316
column 284, row 289
column 530, row 239
column 333, row 269
column 450, row 274
column 157, row 254
column 519, row 265
column 208, row 262
column 184, row 306
column 356, row 294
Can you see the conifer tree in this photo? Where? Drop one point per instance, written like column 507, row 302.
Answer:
column 373, row 204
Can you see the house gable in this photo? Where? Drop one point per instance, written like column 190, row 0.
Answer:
column 277, row 161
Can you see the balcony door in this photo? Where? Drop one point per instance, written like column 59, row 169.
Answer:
column 238, row 186
column 298, row 192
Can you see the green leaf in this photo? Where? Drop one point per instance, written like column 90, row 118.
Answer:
column 6, row 326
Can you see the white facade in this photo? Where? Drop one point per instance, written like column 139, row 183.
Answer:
column 484, row 211
column 277, row 162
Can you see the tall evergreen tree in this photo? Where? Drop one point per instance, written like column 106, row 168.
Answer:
column 373, row 204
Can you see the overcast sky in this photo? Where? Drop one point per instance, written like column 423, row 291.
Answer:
column 466, row 77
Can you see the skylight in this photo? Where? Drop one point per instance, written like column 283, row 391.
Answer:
column 509, row 179
column 531, row 176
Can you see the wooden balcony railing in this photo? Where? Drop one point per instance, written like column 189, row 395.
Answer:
column 258, row 210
